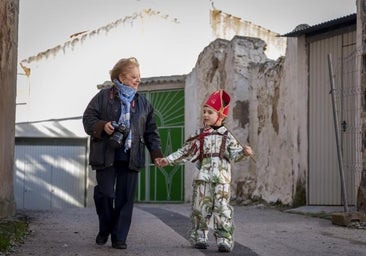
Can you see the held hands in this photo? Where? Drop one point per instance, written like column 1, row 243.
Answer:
column 161, row 162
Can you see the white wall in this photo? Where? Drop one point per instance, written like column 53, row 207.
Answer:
column 268, row 112
column 62, row 79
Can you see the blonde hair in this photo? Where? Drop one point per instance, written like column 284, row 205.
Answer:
column 122, row 67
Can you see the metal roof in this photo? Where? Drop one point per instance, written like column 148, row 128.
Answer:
column 164, row 79
column 320, row 28
column 71, row 127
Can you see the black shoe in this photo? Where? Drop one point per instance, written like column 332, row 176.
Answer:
column 201, row 245
column 224, row 248
column 100, row 240
column 119, row 245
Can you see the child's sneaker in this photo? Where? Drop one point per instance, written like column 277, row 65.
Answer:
column 201, row 245
column 224, row 248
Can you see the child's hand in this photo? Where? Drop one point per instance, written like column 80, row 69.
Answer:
column 164, row 162
column 248, row 151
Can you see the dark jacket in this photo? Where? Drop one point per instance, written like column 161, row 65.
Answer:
column 106, row 106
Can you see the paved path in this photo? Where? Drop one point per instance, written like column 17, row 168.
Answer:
column 161, row 229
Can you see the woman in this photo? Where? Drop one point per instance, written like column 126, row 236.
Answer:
column 121, row 124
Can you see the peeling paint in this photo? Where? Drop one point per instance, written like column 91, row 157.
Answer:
column 213, row 69
column 274, row 117
column 27, row 71
column 217, row 71
column 227, row 26
column 300, row 194
column 78, row 38
column 241, row 113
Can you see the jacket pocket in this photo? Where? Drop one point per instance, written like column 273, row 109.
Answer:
column 97, row 152
column 138, row 155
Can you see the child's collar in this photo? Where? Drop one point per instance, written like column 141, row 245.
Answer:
column 216, row 127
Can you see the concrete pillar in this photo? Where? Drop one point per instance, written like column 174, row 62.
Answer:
column 9, row 14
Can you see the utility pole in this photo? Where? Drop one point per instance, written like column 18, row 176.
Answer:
column 361, row 66
column 9, row 14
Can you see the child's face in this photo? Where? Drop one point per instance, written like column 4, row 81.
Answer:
column 211, row 117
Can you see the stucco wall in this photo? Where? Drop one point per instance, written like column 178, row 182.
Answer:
column 268, row 112
column 226, row 26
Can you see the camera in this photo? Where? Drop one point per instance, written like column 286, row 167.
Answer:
column 121, row 131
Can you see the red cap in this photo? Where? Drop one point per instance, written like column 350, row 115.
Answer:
column 219, row 101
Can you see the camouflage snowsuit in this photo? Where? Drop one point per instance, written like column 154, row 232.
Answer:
column 212, row 150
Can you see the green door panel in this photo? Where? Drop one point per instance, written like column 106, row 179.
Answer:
column 164, row 184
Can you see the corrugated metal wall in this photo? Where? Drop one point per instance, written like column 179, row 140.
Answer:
column 350, row 118
column 324, row 186
column 50, row 175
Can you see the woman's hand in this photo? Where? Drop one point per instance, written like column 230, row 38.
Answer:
column 108, row 128
column 161, row 162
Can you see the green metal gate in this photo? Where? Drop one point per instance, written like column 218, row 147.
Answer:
column 164, row 184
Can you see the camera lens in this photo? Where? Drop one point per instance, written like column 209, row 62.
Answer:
column 120, row 132
column 116, row 140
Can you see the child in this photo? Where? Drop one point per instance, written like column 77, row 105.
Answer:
column 212, row 148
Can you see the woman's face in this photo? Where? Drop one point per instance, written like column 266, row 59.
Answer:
column 131, row 77
column 210, row 117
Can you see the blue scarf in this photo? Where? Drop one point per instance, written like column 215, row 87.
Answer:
column 126, row 94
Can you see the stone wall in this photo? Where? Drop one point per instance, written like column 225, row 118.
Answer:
column 262, row 114
column 9, row 12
